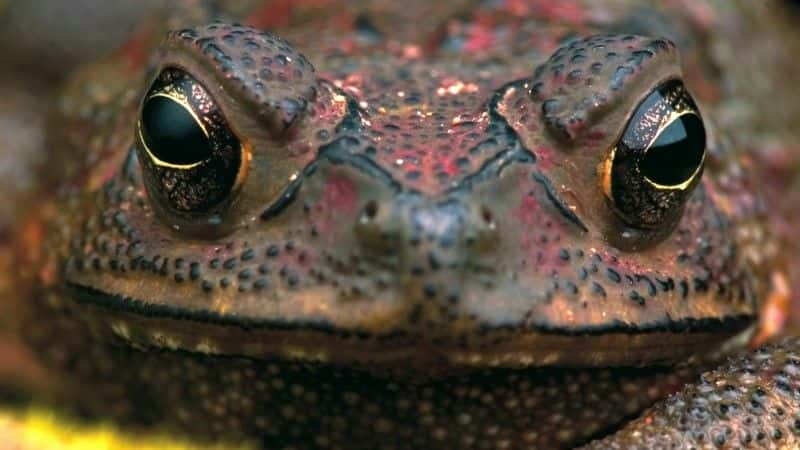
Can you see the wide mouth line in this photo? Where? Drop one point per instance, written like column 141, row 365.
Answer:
column 125, row 304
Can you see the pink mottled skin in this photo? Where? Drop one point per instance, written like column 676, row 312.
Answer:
column 342, row 197
column 417, row 226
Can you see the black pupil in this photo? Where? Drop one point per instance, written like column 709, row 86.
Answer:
column 677, row 152
column 172, row 134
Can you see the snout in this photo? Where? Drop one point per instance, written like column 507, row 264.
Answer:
column 432, row 243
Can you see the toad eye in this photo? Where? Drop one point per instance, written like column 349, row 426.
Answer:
column 658, row 161
column 677, row 152
column 191, row 158
column 172, row 133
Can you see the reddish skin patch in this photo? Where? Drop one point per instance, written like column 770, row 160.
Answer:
column 339, row 200
column 481, row 38
column 544, row 158
column 596, row 134
column 429, row 161
column 450, row 167
column 341, row 194
column 528, row 213
column 568, row 11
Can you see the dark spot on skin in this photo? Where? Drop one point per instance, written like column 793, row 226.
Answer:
column 684, row 288
column 570, row 287
column 613, row 275
column 637, row 297
column 598, row 289
column 194, row 271
column 433, row 261
column 666, row 285
column 429, row 290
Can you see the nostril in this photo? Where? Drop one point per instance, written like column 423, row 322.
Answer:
column 369, row 212
column 487, row 217
column 375, row 231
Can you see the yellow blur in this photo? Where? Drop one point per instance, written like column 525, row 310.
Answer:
column 40, row 429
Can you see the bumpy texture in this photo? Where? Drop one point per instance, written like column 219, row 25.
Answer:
column 430, row 212
column 581, row 80
column 749, row 402
column 297, row 405
column 418, row 251
column 263, row 66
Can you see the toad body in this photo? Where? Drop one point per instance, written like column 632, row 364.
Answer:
column 360, row 244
